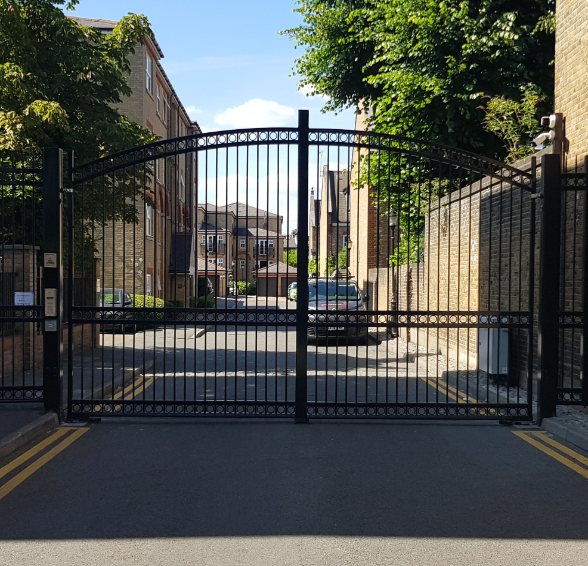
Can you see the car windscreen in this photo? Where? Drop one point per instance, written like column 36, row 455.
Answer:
column 111, row 297
column 333, row 291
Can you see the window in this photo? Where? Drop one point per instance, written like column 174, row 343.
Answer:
column 148, row 220
column 158, row 169
column 149, row 75
column 182, row 193
column 242, row 244
column 158, row 98
column 220, row 261
column 166, row 109
column 242, row 264
column 221, row 239
column 148, row 284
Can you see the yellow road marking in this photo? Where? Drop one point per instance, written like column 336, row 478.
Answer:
column 23, row 475
column 17, row 462
column 136, row 387
column 542, row 434
column 449, row 391
column 528, row 437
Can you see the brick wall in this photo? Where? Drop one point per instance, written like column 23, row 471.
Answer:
column 571, row 69
column 477, row 254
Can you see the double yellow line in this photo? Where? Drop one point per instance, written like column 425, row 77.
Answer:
column 564, row 455
column 449, row 391
column 136, row 387
column 39, row 456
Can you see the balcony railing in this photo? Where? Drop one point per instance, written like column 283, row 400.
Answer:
column 214, row 249
column 264, row 251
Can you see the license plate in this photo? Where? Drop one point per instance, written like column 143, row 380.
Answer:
column 335, row 328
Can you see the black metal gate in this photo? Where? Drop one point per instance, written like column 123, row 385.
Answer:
column 408, row 269
column 21, row 316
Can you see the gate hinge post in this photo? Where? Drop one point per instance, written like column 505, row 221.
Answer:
column 52, row 278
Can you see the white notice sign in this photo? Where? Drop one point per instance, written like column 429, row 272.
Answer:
column 24, row 299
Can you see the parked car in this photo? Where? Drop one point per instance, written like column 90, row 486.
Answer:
column 115, row 298
column 341, row 297
column 292, row 293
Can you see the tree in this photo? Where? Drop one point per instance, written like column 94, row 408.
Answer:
column 445, row 71
column 60, row 84
column 291, row 257
column 427, row 66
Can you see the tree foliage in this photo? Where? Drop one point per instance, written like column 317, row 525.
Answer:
column 427, row 66
column 291, row 257
column 446, row 71
column 60, row 82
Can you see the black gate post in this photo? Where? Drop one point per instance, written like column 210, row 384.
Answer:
column 585, row 292
column 52, row 277
column 549, row 285
column 301, row 414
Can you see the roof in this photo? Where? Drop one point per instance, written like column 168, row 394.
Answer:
column 256, row 232
column 181, row 260
column 275, row 269
column 106, row 26
column 241, row 209
column 205, row 227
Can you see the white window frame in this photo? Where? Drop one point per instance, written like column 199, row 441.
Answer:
column 158, row 98
column 166, row 109
column 148, row 220
column 203, row 239
column 149, row 74
column 148, row 284
column 182, row 191
column 220, row 261
column 242, row 263
column 242, row 244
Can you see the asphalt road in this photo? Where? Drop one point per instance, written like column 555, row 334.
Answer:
column 264, row 493
column 257, row 362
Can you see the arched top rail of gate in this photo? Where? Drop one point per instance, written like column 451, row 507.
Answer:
column 370, row 141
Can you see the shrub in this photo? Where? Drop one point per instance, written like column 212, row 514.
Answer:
column 244, row 288
column 202, row 302
column 149, row 302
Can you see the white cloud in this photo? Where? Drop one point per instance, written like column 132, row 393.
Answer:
column 308, row 90
column 256, row 113
column 193, row 111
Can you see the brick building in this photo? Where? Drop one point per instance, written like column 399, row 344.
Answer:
column 240, row 239
column 167, row 214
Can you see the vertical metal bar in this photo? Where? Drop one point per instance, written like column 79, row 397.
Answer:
column 549, row 285
column 301, row 415
column 52, row 278
column 70, row 288
column 531, row 287
column 585, row 291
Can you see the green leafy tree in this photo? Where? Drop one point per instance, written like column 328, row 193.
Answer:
column 427, row 66
column 514, row 122
column 60, row 84
column 441, row 70
column 291, row 257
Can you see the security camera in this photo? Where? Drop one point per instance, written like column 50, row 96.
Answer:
column 543, row 138
column 549, row 121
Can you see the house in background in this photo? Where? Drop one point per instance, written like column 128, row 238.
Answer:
column 240, row 239
column 314, row 216
column 333, row 228
column 168, row 209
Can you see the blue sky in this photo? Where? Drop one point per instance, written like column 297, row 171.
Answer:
column 226, row 59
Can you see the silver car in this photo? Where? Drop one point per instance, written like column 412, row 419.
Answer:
column 342, row 298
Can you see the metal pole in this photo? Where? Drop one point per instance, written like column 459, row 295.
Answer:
column 585, row 292
column 52, row 278
column 548, row 328
column 301, row 414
